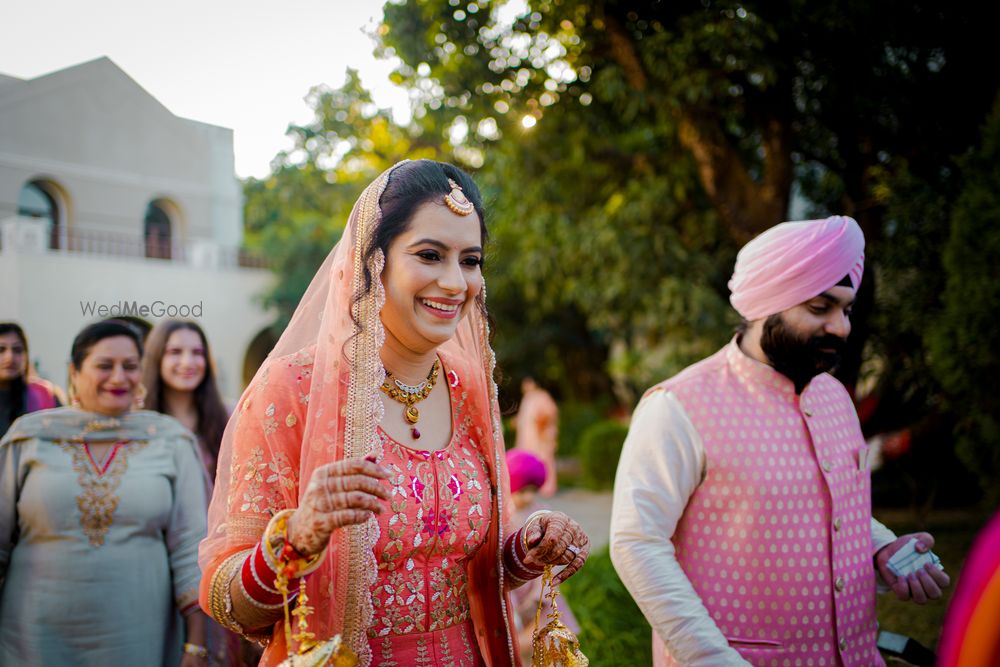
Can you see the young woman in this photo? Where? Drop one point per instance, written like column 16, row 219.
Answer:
column 20, row 391
column 101, row 510
column 179, row 377
column 366, row 456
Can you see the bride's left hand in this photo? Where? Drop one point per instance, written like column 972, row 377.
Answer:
column 555, row 539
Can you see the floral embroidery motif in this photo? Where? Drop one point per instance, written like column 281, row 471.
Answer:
column 266, row 473
column 276, row 473
column 98, row 502
column 437, row 520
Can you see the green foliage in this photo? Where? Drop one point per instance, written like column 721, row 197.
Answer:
column 965, row 346
column 626, row 150
column 575, row 417
column 600, row 449
column 613, row 632
column 630, row 148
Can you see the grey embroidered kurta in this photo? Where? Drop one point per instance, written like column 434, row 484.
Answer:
column 98, row 551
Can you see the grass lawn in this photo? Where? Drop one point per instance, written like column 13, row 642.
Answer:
column 953, row 531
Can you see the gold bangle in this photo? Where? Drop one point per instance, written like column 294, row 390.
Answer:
column 277, row 548
column 195, row 650
column 524, row 529
column 220, row 601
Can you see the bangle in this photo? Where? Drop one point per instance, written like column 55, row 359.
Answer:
column 252, row 599
column 514, row 554
column 524, row 529
column 279, row 553
column 195, row 650
column 255, row 587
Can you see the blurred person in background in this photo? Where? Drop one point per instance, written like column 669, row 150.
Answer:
column 102, row 506
column 179, row 375
column 21, row 391
column 537, row 426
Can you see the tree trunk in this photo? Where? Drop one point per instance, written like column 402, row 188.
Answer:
column 747, row 207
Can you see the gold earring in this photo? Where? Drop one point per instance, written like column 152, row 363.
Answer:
column 73, row 400
column 140, row 397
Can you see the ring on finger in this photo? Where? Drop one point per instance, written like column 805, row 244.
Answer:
column 573, row 549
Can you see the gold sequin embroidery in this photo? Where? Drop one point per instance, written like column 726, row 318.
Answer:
column 98, row 502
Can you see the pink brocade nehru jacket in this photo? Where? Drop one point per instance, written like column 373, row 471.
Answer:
column 776, row 540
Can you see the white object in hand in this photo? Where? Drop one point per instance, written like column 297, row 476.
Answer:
column 908, row 560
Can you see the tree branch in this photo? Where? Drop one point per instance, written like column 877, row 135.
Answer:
column 747, row 207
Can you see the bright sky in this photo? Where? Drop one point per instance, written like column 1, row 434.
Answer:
column 242, row 64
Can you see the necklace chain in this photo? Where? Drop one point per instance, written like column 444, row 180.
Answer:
column 410, row 388
column 410, row 395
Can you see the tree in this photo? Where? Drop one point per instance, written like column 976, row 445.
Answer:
column 965, row 345
column 703, row 115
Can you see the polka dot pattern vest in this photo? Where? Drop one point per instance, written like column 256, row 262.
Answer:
column 777, row 538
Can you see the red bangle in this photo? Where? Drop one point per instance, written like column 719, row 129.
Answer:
column 188, row 607
column 257, row 581
column 513, row 556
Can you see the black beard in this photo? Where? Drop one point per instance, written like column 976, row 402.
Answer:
column 797, row 358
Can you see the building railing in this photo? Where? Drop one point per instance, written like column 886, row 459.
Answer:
column 32, row 235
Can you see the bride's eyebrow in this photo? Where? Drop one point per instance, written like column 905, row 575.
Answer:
column 441, row 246
column 433, row 242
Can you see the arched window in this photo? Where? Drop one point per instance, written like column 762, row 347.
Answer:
column 156, row 231
column 37, row 200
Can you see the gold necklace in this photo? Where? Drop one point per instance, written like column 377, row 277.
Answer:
column 410, row 395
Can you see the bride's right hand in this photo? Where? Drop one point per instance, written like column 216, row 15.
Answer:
column 339, row 494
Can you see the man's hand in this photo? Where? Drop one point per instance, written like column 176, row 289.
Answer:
column 920, row 586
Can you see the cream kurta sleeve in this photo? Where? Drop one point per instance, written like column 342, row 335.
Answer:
column 881, row 536
column 662, row 463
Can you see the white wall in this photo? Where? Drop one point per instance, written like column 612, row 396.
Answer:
column 43, row 292
column 115, row 148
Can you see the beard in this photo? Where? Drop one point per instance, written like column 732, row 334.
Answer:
column 799, row 358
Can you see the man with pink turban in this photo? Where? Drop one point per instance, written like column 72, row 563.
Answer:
column 742, row 518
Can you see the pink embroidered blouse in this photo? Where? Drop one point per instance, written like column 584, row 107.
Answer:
column 438, row 518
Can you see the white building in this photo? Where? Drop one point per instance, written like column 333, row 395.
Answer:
column 108, row 199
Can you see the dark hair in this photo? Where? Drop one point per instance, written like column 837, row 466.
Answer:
column 17, row 405
column 212, row 414
column 92, row 334
column 409, row 186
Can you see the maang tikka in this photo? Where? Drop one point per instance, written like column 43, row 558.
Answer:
column 457, row 201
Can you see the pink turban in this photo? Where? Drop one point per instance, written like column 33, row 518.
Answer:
column 793, row 262
column 524, row 468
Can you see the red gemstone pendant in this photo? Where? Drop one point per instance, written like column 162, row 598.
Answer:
column 415, row 432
